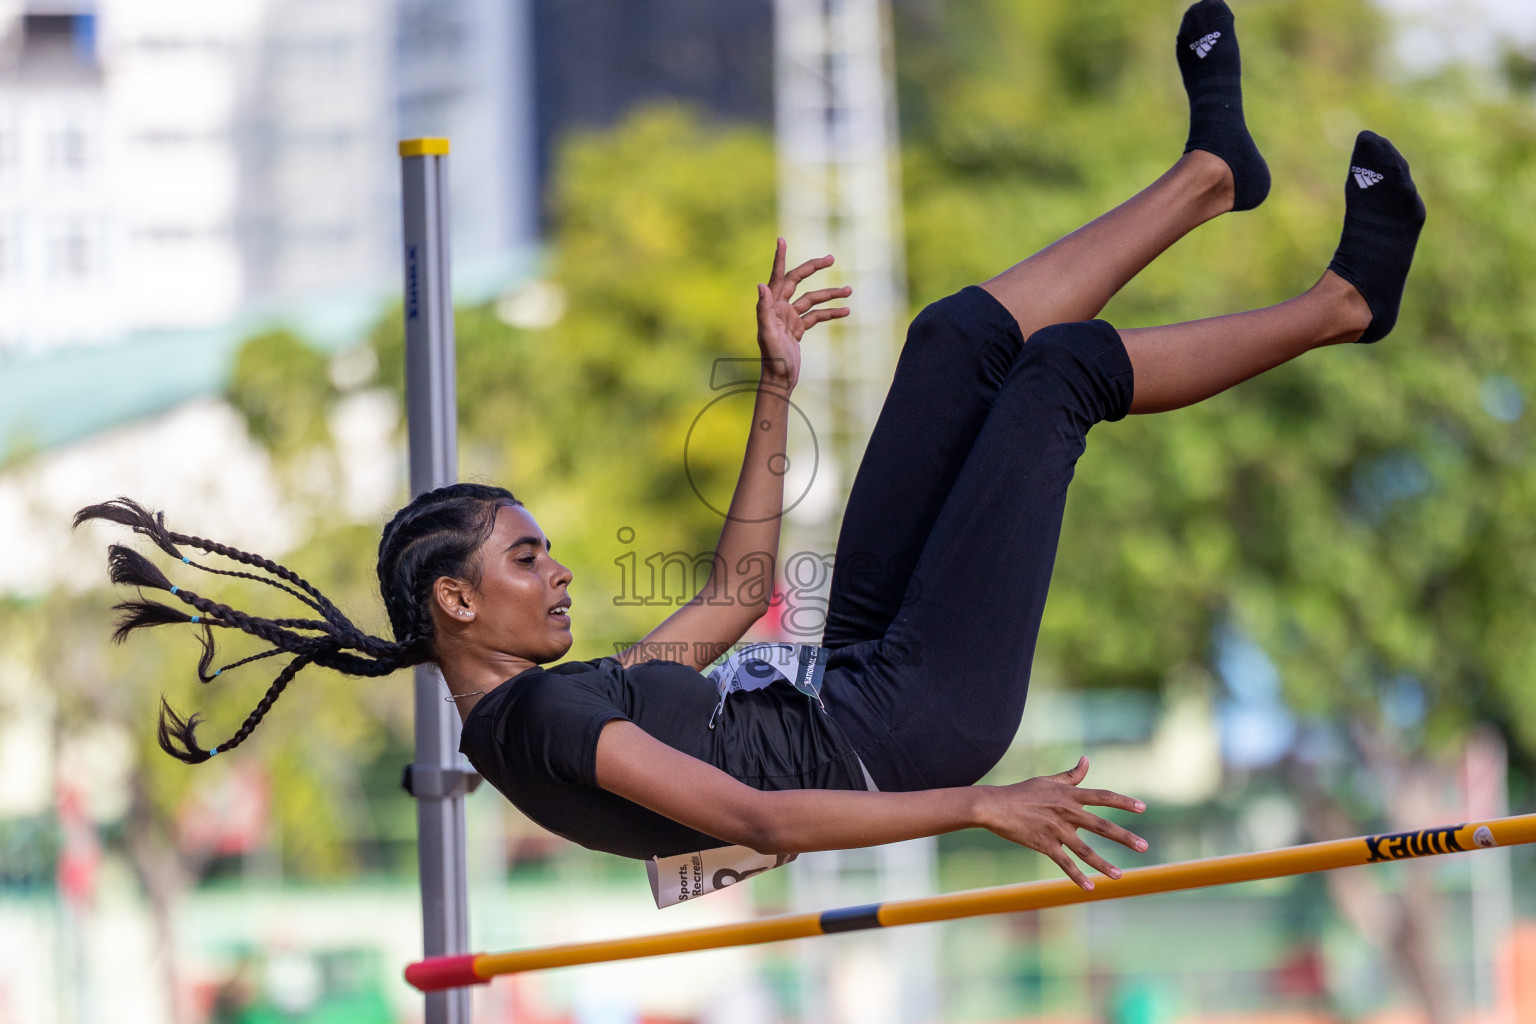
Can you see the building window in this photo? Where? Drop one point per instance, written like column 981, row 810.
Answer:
column 163, row 234
column 431, row 28
column 59, row 39
column 69, row 149
column 10, row 149
column 72, row 252
column 10, row 248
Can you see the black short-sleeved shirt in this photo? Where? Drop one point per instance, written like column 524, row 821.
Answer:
column 535, row 739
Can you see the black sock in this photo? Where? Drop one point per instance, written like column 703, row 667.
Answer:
column 1212, row 70
column 1382, row 217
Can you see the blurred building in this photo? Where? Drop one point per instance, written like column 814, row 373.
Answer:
column 597, row 59
column 175, row 175
column 56, row 224
column 172, row 164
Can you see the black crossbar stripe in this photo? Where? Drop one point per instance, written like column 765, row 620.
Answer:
column 851, row 919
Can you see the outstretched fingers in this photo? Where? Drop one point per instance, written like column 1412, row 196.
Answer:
column 1080, row 818
column 1070, row 840
column 776, row 275
column 1089, row 856
column 817, row 316
column 1109, row 798
column 790, row 281
column 804, row 303
column 1109, row 830
column 780, row 292
column 1104, row 798
column 1069, row 866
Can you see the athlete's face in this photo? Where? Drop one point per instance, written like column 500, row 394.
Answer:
column 520, row 606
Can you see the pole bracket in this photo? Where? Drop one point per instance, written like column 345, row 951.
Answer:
column 433, row 782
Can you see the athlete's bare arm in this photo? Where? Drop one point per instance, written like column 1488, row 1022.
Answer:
column 735, row 597
column 1043, row 814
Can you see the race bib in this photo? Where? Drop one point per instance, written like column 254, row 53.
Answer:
column 758, row 665
column 688, row 876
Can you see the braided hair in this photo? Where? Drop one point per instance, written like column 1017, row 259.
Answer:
column 436, row 535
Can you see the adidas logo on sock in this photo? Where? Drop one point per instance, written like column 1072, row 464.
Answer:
column 1363, row 177
column 1205, row 44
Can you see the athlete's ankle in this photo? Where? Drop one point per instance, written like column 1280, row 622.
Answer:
column 1209, row 180
column 1349, row 313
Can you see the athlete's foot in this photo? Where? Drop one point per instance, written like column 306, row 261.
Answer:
column 1383, row 215
column 1212, row 70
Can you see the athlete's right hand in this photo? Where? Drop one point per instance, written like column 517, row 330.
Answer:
column 1045, row 814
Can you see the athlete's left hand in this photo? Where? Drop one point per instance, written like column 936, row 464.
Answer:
column 782, row 319
column 1046, row 813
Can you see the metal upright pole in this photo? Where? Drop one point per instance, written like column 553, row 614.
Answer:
column 438, row 779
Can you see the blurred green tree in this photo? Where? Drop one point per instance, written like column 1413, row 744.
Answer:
column 1362, row 514
column 280, row 385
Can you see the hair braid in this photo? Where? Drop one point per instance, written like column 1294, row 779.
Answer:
column 178, row 736
column 437, row 534
column 316, row 600
column 354, row 637
column 152, row 525
column 235, row 573
column 206, row 660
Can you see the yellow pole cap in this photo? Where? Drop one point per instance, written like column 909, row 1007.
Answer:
column 423, row 147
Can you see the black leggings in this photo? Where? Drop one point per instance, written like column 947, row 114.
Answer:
column 950, row 534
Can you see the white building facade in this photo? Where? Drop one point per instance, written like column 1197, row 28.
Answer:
column 172, row 165
column 57, row 225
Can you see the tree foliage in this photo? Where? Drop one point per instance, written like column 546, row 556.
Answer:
column 1362, row 513
column 280, row 385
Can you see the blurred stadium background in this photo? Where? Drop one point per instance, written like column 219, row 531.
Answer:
column 1302, row 610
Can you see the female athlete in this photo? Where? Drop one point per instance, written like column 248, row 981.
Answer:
column 942, row 564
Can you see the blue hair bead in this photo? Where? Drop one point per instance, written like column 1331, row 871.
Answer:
column 219, row 672
column 214, row 752
column 186, row 560
column 197, row 618
column 174, row 590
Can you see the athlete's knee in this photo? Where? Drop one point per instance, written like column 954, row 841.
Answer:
column 1087, row 359
column 971, row 322
column 1072, row 341
column 936, row 323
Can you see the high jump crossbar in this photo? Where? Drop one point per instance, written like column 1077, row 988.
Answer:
column 445, row 972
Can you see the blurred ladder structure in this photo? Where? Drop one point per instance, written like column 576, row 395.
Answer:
column 839, row 192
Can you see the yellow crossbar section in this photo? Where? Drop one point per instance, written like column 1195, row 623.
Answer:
column 476, row 968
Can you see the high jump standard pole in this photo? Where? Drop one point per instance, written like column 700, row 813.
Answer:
column 477, row 968
column 436, row 779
